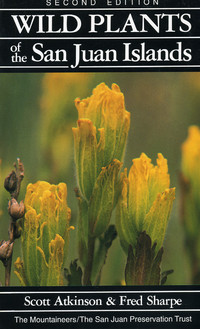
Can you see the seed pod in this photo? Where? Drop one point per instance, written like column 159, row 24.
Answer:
column 15, row 209
column 10, row 182
column 5, row 250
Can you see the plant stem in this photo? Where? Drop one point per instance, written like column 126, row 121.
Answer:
column 8, row 272
column 12, row 184
column 89, row 264
column 9, row 261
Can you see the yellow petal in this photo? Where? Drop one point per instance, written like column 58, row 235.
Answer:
column 105, row 105
column 158, row 178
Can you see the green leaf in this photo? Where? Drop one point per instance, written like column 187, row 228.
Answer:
column 105, row 243
column 74, row 274
column 155, row 270
column 31, row 256
column 143, row 266
column 164, row 276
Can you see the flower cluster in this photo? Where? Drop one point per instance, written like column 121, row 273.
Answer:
column 143, row 201
column 45, row 230
column 101, row 135
column 146, row 201
column 144, row 198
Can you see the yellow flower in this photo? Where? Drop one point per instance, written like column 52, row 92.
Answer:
column 191, row 157
column 146, row 201
column 106, row 109
column 50, row 204
column 45, row 228
column 101, row 134
column 191, row 184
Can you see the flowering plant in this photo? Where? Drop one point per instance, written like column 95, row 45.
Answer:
column 45, row 231
column 190, row 188
column 143, row 200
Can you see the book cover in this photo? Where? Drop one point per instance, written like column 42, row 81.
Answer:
column 100, row 157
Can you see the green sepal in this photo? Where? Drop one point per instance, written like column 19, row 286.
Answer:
column 120, row 139
column 156, row 221
column 102, row 200
column 126, row 233
column 51, row 271
column 126, row 227
column 119, row 186
column 143, row 264
column 44, row 268
column 85, row 143
column 30, row 252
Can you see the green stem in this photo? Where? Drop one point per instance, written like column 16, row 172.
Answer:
column 14, row 178
column 8, row 264
column 89, row 264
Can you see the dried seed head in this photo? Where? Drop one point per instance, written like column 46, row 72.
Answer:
column 10, row 182
column 15, row 209
column 5, row 250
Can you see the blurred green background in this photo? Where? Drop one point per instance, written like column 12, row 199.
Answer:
column 36, row 115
